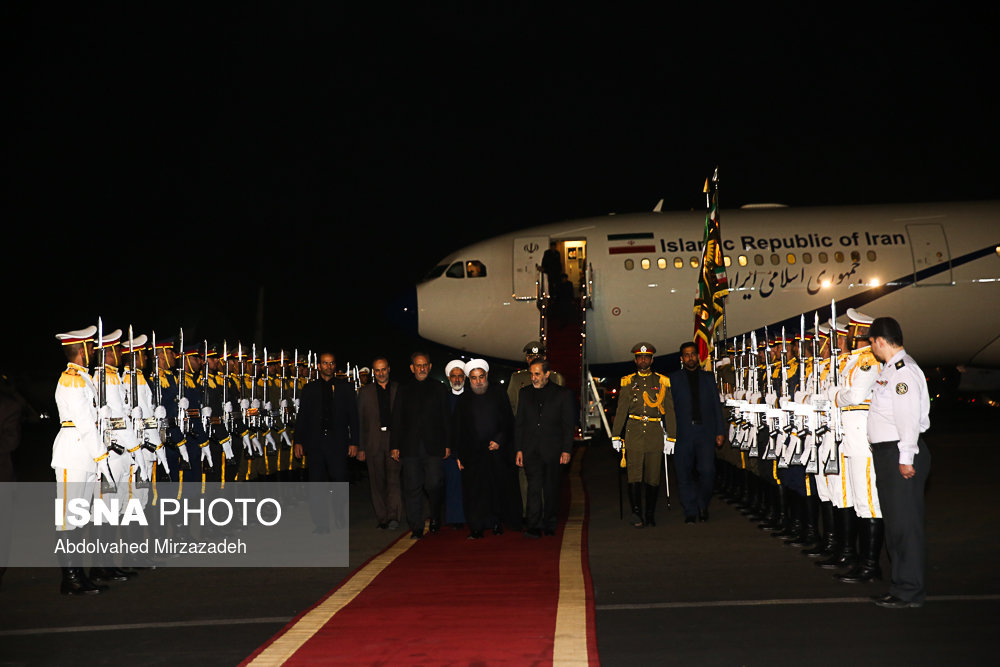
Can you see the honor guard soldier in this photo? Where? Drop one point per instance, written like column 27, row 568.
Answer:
column 177, row 459
column 140, row 402
column 77, row 448
column 644, row 403
column 220, row 452
column 236, row 391
column 853, row 397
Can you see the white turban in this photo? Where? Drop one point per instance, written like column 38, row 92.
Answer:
column 476, row 363
column 455, row 363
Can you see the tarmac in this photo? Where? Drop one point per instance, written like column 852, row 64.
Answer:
column 721, row 592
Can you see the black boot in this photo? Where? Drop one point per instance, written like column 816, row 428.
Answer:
column 635, row 500
column 779, row 510
column 74, row 579
column 794, row 521
column 872, row 534
column 831, row 540
column 847, row 556
column 651, row 493
column 757, row 509
column 810, row 519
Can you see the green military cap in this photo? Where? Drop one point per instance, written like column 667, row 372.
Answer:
column 534, row 347
column 643, row 348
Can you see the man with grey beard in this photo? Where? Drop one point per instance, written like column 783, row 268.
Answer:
column 482, row 439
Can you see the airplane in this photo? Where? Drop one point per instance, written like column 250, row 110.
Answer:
column 935, row 267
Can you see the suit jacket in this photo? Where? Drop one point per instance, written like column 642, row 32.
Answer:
column 368, row 416
column 421, row 414
column 479, row 419
column 549, row 432
column 309, row 423
column 708, row 394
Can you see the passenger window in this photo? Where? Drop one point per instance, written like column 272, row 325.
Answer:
column 456, row 270
column 838, row 257
column 742, row 259
column 855, row 256
column 871, row 255
column 790, row 258
column 758, row 260
column 644, row 263
column 629, row 265
column 775, row 259
column 661, row 263
column 823, row 258
column 727, row 260
column 678, row 263
column 807, row 257
column 694, row 262
column 475, row 269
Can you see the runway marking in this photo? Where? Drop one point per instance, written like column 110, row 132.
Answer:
column 148, row 626
column 570, row 645
column 778, row 602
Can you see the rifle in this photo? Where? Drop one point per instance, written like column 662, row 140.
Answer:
column 832, row 465
column 182, row 414
column 227, row 417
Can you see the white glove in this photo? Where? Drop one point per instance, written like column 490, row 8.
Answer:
column 206, row 412
column 206, row 454
column 143, row 465
column 832, row 392
column 244, row 404
column 246, row 444
column 295, row 402
column 183, row 403
column 255, row 404
column 227, row 407
column 283, row 404
column 271, row 442
column 162, row 458
column 136, row 413
column 617, row 444
column 227, row 448
column 668, row 445
column 160, row 412
column 286, row 438
column 104, row 412
column 257, row 447
column 267, row 406
column 184, row 453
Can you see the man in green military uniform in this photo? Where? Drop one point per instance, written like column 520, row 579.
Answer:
column 645, row 408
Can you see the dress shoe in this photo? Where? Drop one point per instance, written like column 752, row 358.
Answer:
column 703, row 515
column 383, row 525
column 550, row 532
column 75, row 582
column 475, row 535
column 893, row 602
column 100, row 574
column 416, row 535
column 690, row 518
column 393, row 525
column 498, row 528
column 435, row 525
column 533, row 533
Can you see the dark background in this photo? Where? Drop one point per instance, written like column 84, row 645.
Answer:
column 166, row 163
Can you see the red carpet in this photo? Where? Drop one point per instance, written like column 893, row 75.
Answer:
column 448, row 600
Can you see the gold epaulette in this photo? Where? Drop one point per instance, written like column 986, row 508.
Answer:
column 627, row 379
column 664, row 380
column 867, row 360
column 72, row 378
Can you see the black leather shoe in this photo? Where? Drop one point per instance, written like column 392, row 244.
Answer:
column 893, row 602
column 75, row 582
column 416, row 535
column 100, row 574
column 690, row 518
column 435, row 525
column 498, row 529
column 550, row 532
column 383, row 525
column 475, row 535
column 533, row 533
column 703, row 515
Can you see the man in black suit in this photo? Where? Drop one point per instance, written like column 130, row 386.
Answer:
column 419, row 439
column 544, row 439
column 326, row 431
column 700, row 429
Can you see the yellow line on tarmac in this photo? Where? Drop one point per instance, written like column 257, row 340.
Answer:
column 285, row 646
column 570, row 646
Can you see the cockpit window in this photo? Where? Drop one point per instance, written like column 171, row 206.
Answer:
column 475, row 269
column 435, row 272
column 456, row 270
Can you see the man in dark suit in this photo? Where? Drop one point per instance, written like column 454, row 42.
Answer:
column 419, row 439
column 326, row 431
column 544, row 439
column 375, row 401
column 700, row 429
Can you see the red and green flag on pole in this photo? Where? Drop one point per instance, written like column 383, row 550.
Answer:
column 713, row 286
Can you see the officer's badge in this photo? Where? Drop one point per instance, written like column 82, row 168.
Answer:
column 866, row 367
column 900, row 364
column 901, row 388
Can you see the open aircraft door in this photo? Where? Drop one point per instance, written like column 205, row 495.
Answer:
column 528, row 251
column 931, row 257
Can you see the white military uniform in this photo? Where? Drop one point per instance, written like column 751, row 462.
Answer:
column 900, row 406
column 77, row 446
column 121, row 466
column 838, row 487
column 853, row 396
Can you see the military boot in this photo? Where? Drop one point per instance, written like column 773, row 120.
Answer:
column 779, row 510
column 635, row 501
column 847, row 555
column 872, row 535
column 651, row 493
column 830, row 540
column 810, row 520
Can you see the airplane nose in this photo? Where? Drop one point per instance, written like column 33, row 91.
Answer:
column 402, row 311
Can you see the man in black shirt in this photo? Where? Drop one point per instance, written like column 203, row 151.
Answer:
column 419, row 439
column 375, row 401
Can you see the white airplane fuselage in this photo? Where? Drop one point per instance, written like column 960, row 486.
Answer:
column 933, row 267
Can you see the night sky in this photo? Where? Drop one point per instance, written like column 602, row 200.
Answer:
column 166, row 163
